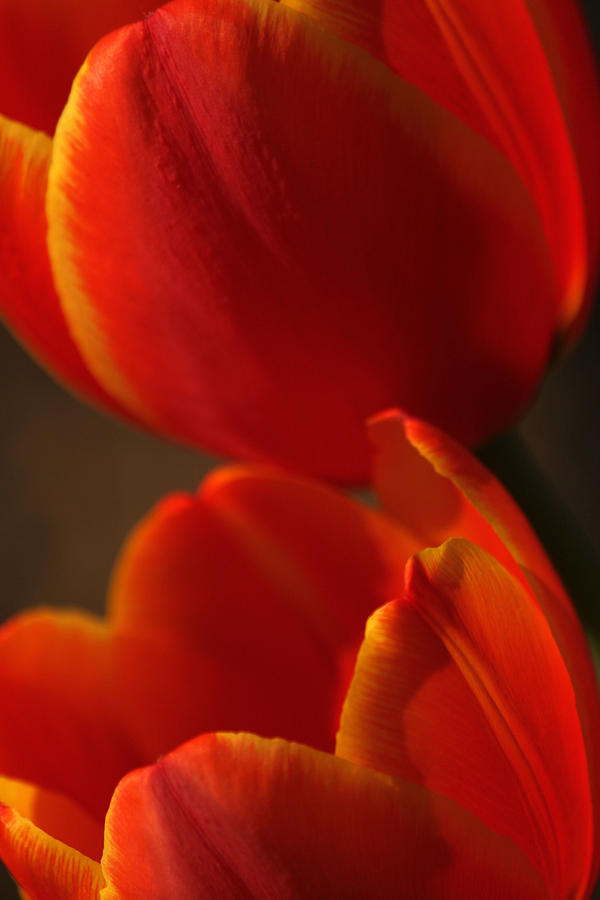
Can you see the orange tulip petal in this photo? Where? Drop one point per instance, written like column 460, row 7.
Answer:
column 477, row 507
column 235, row 815
column 252, row 595
column 44, row 867
column 461, row 687
column 413, row 477
column 301, row 168
column 489, row 499
column 489, row 513
column 42, row 45
column 59, row 728
column 54, row 814
column 28, row 300
column 83, row 704
column 562, row 30
column 488, row 66
column 449, row 493
column 79, row 704
column 272, row 578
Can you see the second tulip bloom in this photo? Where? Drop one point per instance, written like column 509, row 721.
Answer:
column 466, row 756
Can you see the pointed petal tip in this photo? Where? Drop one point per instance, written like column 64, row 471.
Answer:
column 395, row 423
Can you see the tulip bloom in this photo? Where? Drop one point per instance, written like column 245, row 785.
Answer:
column 466, row 756
column 258, row 212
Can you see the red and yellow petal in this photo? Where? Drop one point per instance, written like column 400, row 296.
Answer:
column 461, row 687
column 489, row 513
column 81, row 705
column 260, row 161
column 44, row 867
column 235, row 815
column 431, row 484
column 569, row 52
column 413, row 476
column 57, row 727
column 28, row 300
column 477, row 507
column 487, row 497
column 240, row 608
column 56, row 815
column 488, row 66
column 267, row 575
column 43, row 44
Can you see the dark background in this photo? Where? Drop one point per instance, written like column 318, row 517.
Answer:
column 73, row 482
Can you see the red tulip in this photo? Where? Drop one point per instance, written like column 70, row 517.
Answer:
column 466, row 757
column 259, row 213
column 43, row 44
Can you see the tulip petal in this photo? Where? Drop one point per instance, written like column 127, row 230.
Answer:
column 44, row 867
column 488, row 516
column 475, row 506
column 42, row 45
column 413, row 476
column 185, row 246
column 471, row 58
column 79, row 706
column 28, row 300
column 59, row 727
column 253, row 595
column 79, row 701
column 237, row 816
column 54, row 814
column 272, row 577
column 562, row 30
column 461, row 687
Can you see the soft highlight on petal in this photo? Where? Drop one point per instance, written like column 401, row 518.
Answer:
column 28, row 300
column 55, row 814
column 461, row 687
column 43, row 867
column 421, row 496
column 567, row 44
column 486, row 504
column 237, row 816
column 498, row 637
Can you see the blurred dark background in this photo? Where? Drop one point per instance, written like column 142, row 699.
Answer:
column 73, row 482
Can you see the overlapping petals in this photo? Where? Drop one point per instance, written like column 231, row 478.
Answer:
column 276, row 819
column 533, row 125
column 42, row 45
column 238, row 816
column 472, row 504
column 229, row 610
column 482, row 651
column 257, row 207
column 29, row 302
column 467, row 722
